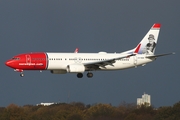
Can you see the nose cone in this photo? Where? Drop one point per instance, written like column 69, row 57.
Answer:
column 9, row 63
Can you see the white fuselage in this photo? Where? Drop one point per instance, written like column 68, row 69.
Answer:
column 59, row 61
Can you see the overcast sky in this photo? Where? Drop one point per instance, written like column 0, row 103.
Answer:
column 92, row 26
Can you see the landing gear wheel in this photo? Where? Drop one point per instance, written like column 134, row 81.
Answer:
column 79, row 75
column 89, row 75
column 22, row 75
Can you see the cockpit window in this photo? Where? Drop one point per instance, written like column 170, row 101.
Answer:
column 15, row 58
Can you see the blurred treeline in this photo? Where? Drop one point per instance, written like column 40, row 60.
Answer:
column 80, row 111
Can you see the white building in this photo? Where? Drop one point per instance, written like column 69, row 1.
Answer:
column 145, row 100
column 45, row 104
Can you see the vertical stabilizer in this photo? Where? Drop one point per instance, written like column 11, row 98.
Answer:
column 149, row 42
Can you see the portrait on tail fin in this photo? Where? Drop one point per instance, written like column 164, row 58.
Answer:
column 149, row 49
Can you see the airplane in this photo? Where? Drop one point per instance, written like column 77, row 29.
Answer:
column 62, row 63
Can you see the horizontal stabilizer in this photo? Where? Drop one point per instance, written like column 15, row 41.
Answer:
column 155, row 56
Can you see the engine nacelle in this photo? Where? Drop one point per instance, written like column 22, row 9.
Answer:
column 76, row 68
column 58, row 71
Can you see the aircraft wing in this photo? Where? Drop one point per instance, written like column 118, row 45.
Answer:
column 159, row 55
column 103, row 63
column 96, row 65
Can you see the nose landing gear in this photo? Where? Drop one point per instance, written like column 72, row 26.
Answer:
column 21, row 74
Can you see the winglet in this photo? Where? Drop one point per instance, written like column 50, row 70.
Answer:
column 137, row 49
column 76, row 50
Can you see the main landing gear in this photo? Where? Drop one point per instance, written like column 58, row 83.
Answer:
column 79, row 75
column 89, row 75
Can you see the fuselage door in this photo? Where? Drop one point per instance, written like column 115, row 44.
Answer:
column 135, row 60
column 28, row 59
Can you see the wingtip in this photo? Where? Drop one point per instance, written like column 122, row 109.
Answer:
column 76, row 50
